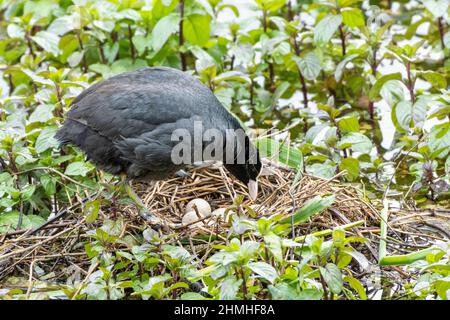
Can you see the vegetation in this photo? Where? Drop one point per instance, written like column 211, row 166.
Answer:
column 359, row 86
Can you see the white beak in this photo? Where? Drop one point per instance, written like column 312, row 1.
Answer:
column 253, row 189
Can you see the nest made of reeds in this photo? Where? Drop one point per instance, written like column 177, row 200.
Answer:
column 57, row 248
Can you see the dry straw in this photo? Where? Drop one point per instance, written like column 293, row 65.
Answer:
column 56, row 252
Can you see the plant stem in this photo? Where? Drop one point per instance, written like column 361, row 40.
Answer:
column 324, row 285
column 342, row 35
column 441, row 32
column 80, row 43
column 373, row 66
column 130, row 39
column 290, row 12
column 252, row 84
column 244, row 284
column 101, row 53
column 300, row 75
column 181, row 37
column 410, row 82
column 271, row 84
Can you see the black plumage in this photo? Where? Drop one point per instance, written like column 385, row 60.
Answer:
column 124, row 124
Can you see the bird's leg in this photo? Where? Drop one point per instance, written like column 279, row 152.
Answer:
column 143, row 211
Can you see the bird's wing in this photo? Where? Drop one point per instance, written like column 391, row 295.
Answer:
column 131, row 104
column 151, row 152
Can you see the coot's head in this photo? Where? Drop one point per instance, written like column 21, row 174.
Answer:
column 247, row 167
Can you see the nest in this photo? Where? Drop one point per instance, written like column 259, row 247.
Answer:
column 277, row 195
column 55, row 253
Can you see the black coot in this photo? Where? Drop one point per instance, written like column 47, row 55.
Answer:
column 125, row 124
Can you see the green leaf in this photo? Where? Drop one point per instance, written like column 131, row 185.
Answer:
column 46, row 139
column 91, row 210
column 356, row 285
column 271, row 5
column 447, row 40
column 437, row 80
column 357, row 142
column 273, row 243
column 47, row 41
column 402, row 115
column 437, row 7
column 35, row 221
column 348, row 124
column 340, row 67
column 192, row 296
column 42, row 113
column 48, row 184
column 9, row 221
column 229, row 288
column 79, row 168
column 333, row 277
column 393, row 91
column 374, row 92
column 353, row 17
column 163, row 30
column 264, row 270
column 196, row 29
column 310, row 208
column 324, row 170
column 352, row 167
column 27, row 192
column 440, row 139
column 281, row 152
column 325, row 29
column 309, row 66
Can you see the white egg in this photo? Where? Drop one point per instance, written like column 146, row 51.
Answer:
column 191, row 217
column 220, row 212
column 203, row 207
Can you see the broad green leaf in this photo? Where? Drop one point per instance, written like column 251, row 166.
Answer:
column 352, row 167
column 325, row 29
column 281, row 152
column 91, row 210
column 46, row 139
column 348, row 124
column 333, row 277
column 49, row 184
column 340, row 67
column 229, row 288
column 447, row 40
column 353, row 17
column 48, row 41
column 196, row 28
column 79, row 168
column 42, row 113
column 323, row 170
column 10, row 220
column 440, row 139
column 310, row 208
column 376, row 88
column 163, row 30
column 264, row 270
column 357, row 286
column 357, row 142
column 393, row 91
column 271, row 5
column 437, row 80
column 347, row 3
column 309, row 66
column 273, row 243
column 402, row 115
column 437, row 7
